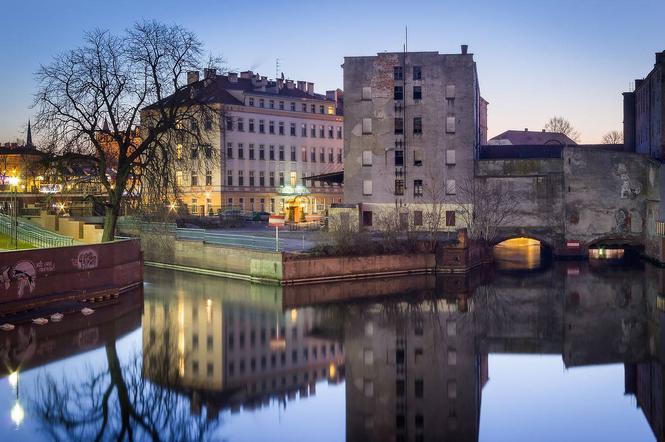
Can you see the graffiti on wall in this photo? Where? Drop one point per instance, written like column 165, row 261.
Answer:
column 86, row 260
column 22, row 275
column 629, row 189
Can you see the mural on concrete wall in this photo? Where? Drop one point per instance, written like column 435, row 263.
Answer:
column 622, row 217
column 23, row 275
column 629, row 189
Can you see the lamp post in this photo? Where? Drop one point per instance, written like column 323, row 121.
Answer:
column 13, row 182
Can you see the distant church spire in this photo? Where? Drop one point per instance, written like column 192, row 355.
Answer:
column 105, row 127
column 29, row 141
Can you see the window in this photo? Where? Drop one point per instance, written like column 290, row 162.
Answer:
column 251, row 101
column 331, row 110
column 312, row 131
column 178, row 151
column 367, row 93
column 417, row 73
column 251, row 151
column 450, row 218
column 303, row 107
column 452, row 356
column 271, row 179
column 399, row 187
column 178, row 178
column 262, row 126
column 339, row 132
column 292, row 129
column 281, row 128
column 207, row 123
column 262, row 178
column 312, row 107
column 281, row 178
column 450, row 125
column 417, row 125
column 271, row 127
column 251, row 178
column 322, row 154
column 451, row 328
column 450, row 187
column 281, row 105
column 322, row 109
column 399, row 125
column 241, row 178
column 194, row 125
column 271, row 104
column 208, row 178
column 229, row 178
column 367, row 187
column 367, row 125
column 331, row 132
column 303, row 154
column 398, row 73
column 195, row 179
column 417, row 187
column 417, row 217
column 195, row 207
column 367, row 218
column 399, row 158
column 303, row 130
column 229, row 123
column 450, row 156
column 339, row 155
column 293, row 106
column 312, row 154
column 398, row 93
column 293, row 153
column 322, row 131
column 450, row 91
column 419, row 388
column 399, row 387
column 281, row 153
column 241, row 151
column 251, row 125
column 262, row 102
column 207, row 150
column 293, row 179
column 331, row 155
column 229, row 150
column 417, row 93
column 194, row 153
column 418, row 157
column 271, row 153
column 262, row 151
column 241, row 125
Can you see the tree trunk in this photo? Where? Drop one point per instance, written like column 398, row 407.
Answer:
column 110, row 221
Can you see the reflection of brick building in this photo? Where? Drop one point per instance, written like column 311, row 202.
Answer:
column 413, row 374
column 233, row 344
column 645, row 381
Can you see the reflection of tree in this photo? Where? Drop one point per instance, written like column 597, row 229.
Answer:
column 118, row 403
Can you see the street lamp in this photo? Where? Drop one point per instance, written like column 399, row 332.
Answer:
column 13, row 182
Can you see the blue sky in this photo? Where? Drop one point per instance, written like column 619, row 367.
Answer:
column 536, row 58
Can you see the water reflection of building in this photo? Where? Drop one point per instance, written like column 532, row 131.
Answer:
column 232, row 342
column 413, row 373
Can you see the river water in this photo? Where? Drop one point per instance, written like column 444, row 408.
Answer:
column 528, row 351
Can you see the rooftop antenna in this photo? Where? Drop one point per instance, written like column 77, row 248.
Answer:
column 277, row 68
column 406, row 38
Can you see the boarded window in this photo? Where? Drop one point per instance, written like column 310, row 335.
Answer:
column 367, row 93
column 367, row 125
column 451, row 188
column 450, row 156
column 417, row 187
column 450, row 125
column 450, row 218
column 418, row 218
column 450, row 91
column 367, row 157
column 367, row 187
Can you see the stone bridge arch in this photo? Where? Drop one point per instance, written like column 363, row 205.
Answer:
column 547, row 238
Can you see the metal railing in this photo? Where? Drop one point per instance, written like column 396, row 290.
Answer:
column 33, row 234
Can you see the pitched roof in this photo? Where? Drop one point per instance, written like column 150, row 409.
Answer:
column 531, row 137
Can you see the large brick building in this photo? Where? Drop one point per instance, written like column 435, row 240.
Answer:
column 413, row 124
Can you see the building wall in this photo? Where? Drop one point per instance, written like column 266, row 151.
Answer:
column 449, row 90
column 650, row 111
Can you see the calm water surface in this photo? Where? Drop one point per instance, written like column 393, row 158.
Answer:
column 565, row 352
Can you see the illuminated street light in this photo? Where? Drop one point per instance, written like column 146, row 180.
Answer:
column 13, row 379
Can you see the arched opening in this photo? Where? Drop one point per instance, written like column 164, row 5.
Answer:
column 521, row 253
column 614, row 251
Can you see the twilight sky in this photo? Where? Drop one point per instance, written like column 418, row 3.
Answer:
column 536, row 58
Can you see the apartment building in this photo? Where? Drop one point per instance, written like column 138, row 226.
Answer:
column 413, row 124
column 272, row 135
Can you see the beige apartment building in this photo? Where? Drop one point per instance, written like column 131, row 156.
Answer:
column 272, row 135
column 413, row 122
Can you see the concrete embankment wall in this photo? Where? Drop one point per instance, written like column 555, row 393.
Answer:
column 32, row 277
column 74, row 228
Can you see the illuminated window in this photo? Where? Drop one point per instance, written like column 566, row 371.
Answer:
column 331, row 110
column 178, row 151
column 293, row 179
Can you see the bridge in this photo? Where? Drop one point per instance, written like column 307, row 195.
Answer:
column 575, row 198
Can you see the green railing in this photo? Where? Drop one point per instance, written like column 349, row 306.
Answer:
column 33, row 234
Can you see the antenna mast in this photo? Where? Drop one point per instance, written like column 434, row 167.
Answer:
column 277, row 68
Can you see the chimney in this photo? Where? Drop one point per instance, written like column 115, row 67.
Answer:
column 233, row 77
column 526, row 129
column 465, row 49
column 331, row 95
column 310, row 88
column 280, row 83
column 246, row 74
column 629, row 124
column 660, row 57
column 301, row 85
column 209, row 73
column 192, row 77
column 543, row 130
column 289, row 84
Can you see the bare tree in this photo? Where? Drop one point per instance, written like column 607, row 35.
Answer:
column 562, row 126
column 485, row 207
column 613, row 137
column 90, row 101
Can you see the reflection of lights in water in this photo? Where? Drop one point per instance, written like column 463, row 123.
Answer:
column 294, row 315
column 603, row 253
column 13, row 379
column 518, row 254
column 332, row 371
column 17, row 414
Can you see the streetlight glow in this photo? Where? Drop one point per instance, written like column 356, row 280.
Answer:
column 13, row 379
